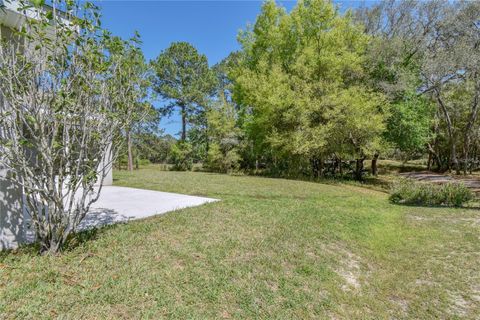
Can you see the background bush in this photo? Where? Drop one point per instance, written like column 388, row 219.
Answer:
column 221, row 160
column 181, row 156
column 143, row 162
column 452, row 194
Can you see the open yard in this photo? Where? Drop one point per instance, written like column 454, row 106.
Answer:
column 271, row 248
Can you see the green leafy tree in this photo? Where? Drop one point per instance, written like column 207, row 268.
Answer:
column 184, row 79
column 396, row 48
column 451, row 74
column 223, row 136
column 300, row 85
column 181, row 155
column 154, row 146
column 409, row 127
column 133, row 78
column 429, row 48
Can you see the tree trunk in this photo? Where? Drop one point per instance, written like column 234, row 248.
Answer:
column 454, row 159
column 429, row 162
column 451, row 135
column 129, row 151
column 315, row 167
column 467, row 136
column 434, row 157
column 374, row 164
column 359, row 169
column 184, row 124
column 335, row 166
column 432, row 148
column 51, row 243
column 465, row 157
column 51, row 247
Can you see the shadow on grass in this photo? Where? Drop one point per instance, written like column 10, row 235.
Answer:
column 370, row 182
column 74, row 241
column 83, row 237
column 389, row 168
column 473, row 205
column 30, row 249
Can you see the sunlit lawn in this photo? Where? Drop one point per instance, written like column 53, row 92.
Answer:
column 271, row 248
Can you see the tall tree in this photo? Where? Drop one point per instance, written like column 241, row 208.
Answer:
column 451, row 74
column 429, row 48
column 184, row 78
column 133, row 77
column 409, row 127
column 396, row 48
column 223, row 135
column 300, row 83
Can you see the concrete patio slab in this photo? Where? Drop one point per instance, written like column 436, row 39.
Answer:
column 120, row 204
column 116, row 204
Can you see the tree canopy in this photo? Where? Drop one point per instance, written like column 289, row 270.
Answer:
column 184, row 79
column 300, row 83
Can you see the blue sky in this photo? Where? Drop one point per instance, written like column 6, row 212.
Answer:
column 211, row 26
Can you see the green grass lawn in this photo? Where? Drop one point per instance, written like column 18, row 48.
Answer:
column 271, row 248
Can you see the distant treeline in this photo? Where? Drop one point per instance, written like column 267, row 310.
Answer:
column 315, row 91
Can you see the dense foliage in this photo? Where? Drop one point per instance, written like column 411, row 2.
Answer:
column 316, row 92
column 133, row 78
column 301, row 86
column 429, row 49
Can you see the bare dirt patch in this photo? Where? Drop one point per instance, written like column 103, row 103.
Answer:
column 458, row 305
column 473, row 221
column 348, row 266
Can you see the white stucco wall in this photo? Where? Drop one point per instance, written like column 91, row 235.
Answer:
column 107, row 167
column 11, row 216
column 108, row 180
column 12, row 226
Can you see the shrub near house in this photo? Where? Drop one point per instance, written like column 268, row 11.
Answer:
column 60, row 154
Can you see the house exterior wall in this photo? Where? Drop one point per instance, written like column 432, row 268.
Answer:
column 108, row 180
column 12, row 224
column 106, row 165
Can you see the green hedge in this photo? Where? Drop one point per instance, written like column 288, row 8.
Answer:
column 452, row 194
